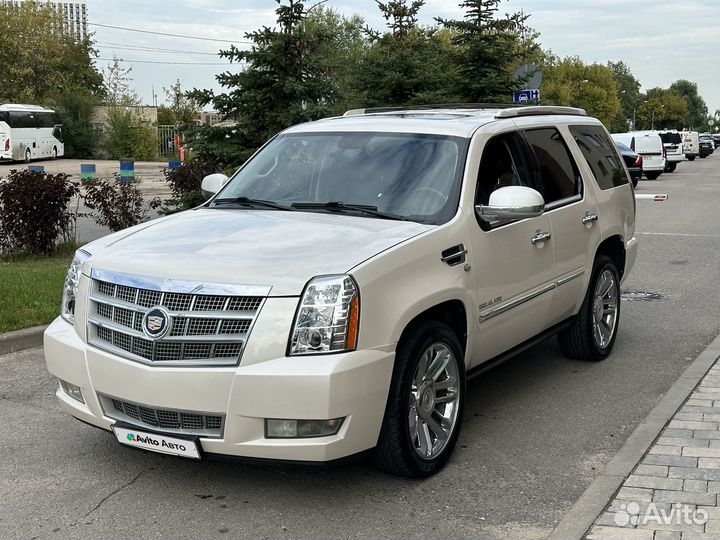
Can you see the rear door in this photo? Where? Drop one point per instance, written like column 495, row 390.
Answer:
column 572, row 216
column 650, row 147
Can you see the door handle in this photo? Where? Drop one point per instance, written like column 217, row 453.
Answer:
column 540, row 237
column 589, row 218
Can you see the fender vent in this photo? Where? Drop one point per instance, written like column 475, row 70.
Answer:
column 454, row 255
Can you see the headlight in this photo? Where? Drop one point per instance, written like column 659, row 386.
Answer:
column 328, row 316
column 72, row 281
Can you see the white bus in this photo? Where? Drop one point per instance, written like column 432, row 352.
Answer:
column 30, row 132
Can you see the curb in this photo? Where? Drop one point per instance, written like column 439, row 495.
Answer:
column 578, row 520
column 19, row 340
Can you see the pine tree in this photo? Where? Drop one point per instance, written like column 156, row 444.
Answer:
column 284, row 83
column 487, row 51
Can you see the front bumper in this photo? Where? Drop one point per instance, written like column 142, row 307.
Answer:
column 352, row 385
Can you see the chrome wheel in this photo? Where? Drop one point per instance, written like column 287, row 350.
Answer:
column 434, row 401
column 605, row 309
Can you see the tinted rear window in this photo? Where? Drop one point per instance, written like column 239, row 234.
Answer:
column 671, row 138
column 601, row 156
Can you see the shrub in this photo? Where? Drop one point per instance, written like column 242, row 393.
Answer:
column 185, row 185
column 34, row 213
column 116, row 205
column 81, row 137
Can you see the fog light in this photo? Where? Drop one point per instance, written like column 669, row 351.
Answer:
column 72, row 390
column 301, row 429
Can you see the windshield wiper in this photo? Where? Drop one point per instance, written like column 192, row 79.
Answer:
column 339, row 206
column 252, row 203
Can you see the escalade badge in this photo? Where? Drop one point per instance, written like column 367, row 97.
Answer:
column 156, row 323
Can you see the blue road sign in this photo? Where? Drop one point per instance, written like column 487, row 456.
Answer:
column 527, row 96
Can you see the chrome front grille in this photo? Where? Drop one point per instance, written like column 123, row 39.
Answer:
column 205, row 328
column 168, row 420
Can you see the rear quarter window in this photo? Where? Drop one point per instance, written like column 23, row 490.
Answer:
column 601, row 155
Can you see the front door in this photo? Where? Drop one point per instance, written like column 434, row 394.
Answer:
column 513, row 271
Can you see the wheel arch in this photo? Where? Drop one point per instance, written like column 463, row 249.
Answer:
column 614, row 247
column 450, row 312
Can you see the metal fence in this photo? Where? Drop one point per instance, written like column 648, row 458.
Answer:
column 167, row 140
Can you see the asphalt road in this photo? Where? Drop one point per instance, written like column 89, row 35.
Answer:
column 538, row 428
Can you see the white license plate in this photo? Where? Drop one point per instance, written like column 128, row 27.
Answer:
column 156, row 443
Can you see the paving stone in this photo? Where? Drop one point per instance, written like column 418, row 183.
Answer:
column 660, row 471
column 667, row 535
column 699, row 402
column 710, row 417
column 699, row 409
column 619, row 505
column 676, row 461
column 666, row 450
column 694, row 451
column 706, row 434
column 695, row 485
column 619, row 533
column 713, row 486
column 689, row 497
column 652, row 482
column 636, row 494
column 692, row 416
column 708, row 463
column 607, row 519
column 667, row 432
column 690, row 424
column 681, row 441
column 694, row 473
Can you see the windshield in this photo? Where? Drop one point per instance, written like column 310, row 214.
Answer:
column 414, row 176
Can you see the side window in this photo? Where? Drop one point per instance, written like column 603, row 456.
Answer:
column 601, row 155
column 504, row 163
column 556, row 167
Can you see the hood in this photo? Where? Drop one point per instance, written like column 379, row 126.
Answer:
column 279, row 249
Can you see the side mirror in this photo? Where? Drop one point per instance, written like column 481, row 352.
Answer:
column 512, row 202
column 213, row 183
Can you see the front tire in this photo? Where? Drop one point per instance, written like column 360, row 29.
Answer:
column 691, row 158
column 425, row 403
column 28, row 155
column 593, row 331
column 671, row 167
column 54, row 153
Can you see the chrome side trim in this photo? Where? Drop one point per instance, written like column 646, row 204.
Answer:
column 494, row 312
column 178, row 286
column 574, row 275
column 499, row 310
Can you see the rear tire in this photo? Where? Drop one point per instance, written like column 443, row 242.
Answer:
column 423, row 403
column 594, row 329
column 691, row 158
column 654, row 175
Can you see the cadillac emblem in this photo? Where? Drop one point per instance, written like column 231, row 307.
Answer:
column 156, row 323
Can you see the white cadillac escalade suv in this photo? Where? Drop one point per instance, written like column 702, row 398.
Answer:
column 336, row 293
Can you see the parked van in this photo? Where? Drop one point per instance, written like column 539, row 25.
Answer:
column 674, row 153
column 649, row 145
column 691, row 144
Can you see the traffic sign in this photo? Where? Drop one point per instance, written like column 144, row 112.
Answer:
column 527, row 96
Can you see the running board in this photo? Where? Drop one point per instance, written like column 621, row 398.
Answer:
column 525, row 345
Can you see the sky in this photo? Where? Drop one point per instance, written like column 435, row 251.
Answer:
column 661, row 40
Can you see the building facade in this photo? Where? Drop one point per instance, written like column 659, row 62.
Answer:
column 73, row 14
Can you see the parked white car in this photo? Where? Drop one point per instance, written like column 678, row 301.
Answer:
column 338, row 291
column 649, row 145
column 691, row 144
column 674, row 150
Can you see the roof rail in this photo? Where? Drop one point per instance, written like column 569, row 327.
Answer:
column 458, row 106
column 535, row 110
